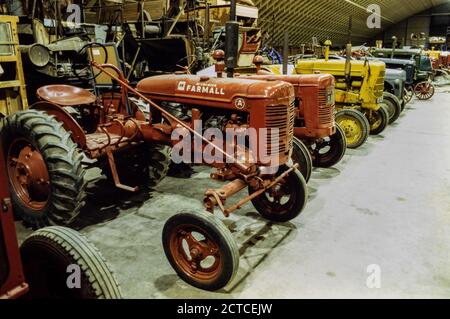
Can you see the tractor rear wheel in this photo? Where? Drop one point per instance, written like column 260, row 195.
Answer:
column 393, row 106
column 144, row 165
column 201, row 250
column 355, row 126
column 424, row 90
column 302, row 156
column 52, row 255
column 285, row 200
column 378, row 120
column 46, row 177
column 327, row 152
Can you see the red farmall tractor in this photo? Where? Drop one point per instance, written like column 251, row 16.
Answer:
column 45, row 146
column 39, row 268
column 315, row 124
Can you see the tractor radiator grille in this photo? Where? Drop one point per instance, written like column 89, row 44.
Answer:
column 326, row 114
column 379, row 86
column 282, row 118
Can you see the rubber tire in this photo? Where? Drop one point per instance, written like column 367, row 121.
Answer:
column 363, row 123
column 220, row 234
column 63, row 160
column 59, row 247
column 301, row 197
column 144, row 165
column 337, row 150
column 394, row 106
column 302, row 156
column 384, row 115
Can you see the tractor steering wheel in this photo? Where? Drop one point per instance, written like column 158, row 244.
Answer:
column 81, row 73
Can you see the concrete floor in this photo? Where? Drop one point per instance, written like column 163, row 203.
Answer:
column 386, row 204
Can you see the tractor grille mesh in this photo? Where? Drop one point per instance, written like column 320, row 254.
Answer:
column 326, row 114
column 282, row 118
column 379, row 86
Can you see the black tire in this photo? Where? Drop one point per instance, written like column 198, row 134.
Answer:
column 329, row 151
column 295, row 187
column 143, row 165
column 47, row 254
column 63, row 162
column 302, row 156
column 378, row 120
column 355, row 126
column 213, row 231
column 393, row 106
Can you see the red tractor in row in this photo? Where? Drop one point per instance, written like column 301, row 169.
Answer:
column 315, row 124
column 45, row 147
column 41, row 266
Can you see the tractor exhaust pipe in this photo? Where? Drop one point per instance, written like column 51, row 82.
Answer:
column 231, row 41
column 285, row 53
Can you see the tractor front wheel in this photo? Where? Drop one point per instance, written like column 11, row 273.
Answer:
column 378, row 120
column 407, row 97
column 302, row 156
column 285, row 200
column 45, row 173
column 424, row 90
column 327, row 152
column 393, row 106
column 355, row 126
column 201, row 250
column 60, row 263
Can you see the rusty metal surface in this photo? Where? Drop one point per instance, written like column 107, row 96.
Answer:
column 66, row 95
column 12, row 282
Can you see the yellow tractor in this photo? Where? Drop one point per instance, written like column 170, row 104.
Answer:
column 359, row 91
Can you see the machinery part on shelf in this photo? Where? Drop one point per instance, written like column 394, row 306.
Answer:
column 329, row 151
column 302, row 156
column 393, row 106
column 285, row 200
column 424, row 90
column 378, row 120
column 48, row 255
column 355, row 126
column 201, row 250
column 45, row 173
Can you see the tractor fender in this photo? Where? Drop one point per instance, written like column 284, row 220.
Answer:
column 69, row 123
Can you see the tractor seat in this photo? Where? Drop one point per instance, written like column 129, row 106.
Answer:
column 66, row 95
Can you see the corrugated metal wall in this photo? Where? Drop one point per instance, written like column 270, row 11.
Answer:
column 304, row 19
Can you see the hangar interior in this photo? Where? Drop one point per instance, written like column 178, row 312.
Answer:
column 225, row 149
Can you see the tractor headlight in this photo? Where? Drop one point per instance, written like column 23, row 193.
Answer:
column 39, row 55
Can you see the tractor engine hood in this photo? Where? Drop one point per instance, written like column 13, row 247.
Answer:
column 317, row 80
column 393, row 74
column 216, row 92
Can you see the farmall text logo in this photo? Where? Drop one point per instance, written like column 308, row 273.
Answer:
column 203, row 88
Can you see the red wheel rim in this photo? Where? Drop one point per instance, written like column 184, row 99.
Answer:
column 195, row 252
column 28, row 174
